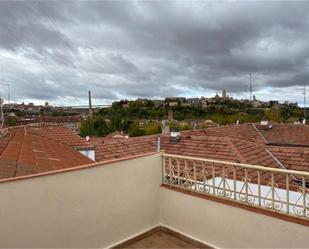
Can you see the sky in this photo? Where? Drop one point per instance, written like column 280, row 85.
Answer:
column 56, row 51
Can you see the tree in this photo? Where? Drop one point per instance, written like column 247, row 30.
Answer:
column 116, row 122
column 96, row 126
column 10, row 121
column 100, row 126
column 152, row 128
column 184, row 126
column 86, row 128
column 274, row 115
column 135, row 131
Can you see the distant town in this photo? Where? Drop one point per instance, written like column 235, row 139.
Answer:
column 145, row 116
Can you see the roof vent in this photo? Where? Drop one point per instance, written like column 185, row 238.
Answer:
column 175, row 136
column 87, row 138
column 264, row 122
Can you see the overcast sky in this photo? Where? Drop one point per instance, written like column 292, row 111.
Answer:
column 56, row 51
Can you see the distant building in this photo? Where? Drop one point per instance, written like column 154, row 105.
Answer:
column 172, row 103
column 224, row 94
column 158, row 103
column 71, row 122
column 193, row 101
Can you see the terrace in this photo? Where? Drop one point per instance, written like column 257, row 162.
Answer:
column 156, row 200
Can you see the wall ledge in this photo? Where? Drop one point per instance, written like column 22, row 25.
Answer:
column 86, row 166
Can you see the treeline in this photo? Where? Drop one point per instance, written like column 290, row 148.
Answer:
column 98, row 126
column 142, row 117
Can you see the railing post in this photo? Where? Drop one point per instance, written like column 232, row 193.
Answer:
column 223, row 172
column 163, row 169
column 178, row 172
column 213, row 178
column 304, row 196
column 246, row 186
column 194, row 175
column 272, row 190
column 187, row 174
column 204, row 177
column 259, row 187
column 170, row 169
column 234, row 182
column 287, row 183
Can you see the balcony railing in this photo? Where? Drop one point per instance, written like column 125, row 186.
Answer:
column 279, row 190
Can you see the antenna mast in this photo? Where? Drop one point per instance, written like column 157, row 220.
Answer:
column 250, row 87
column 305, row 103
column 1, row 113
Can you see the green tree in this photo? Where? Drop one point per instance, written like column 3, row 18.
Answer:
column 87, row 128
column 10, row 121
column 134, row 130
column 100, row 126
column 116, row 122
column 184, row 126
column 273, row 115
column 152, row 128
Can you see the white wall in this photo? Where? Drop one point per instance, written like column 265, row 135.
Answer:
column 93, row 207
column 103, row 205
column 224, row 226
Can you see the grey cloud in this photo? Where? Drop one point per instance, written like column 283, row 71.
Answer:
column 133, row 49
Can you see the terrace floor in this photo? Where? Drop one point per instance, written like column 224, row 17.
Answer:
column 160, row 239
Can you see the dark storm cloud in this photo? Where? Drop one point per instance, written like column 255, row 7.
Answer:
column 121, row 49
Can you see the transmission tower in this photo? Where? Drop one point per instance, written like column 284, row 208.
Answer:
column 8, row 90
column 305, row 103
column 1, row 113
column 250, row 87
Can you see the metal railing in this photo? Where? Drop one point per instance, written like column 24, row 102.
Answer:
column 278, row 190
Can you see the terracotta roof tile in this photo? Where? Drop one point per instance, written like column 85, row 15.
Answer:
column 289, row 134
column 27, row 153
column 59, row 134
column 241, row 143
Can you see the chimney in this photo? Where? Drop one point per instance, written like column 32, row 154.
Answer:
column 90, row 105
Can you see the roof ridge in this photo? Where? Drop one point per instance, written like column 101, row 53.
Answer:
column 236, row 151
column 279, row 162
column 18, row 155
column 257, row 130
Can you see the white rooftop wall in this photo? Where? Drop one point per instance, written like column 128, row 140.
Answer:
column 103, row 205
column 224, row 226
column 89, row 208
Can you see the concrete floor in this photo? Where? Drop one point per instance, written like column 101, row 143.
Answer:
column 161, row 240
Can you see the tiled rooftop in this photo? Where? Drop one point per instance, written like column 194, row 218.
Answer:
column 235, row 143
column 112, row 148
column 27, row 153
column 285, row 134
column 59, row 134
